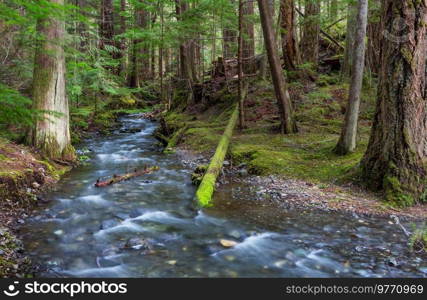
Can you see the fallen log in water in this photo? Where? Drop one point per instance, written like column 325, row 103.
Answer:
column 120, row 178
column 206, row 189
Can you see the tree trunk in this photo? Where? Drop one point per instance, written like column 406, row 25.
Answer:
column 229, row 36
column 122, row 41
column 82, row 29
column 395, row 160
column 52, row 133
column 184, row 48
column 347, row 142
column 346, row 69
column 240, row 69
column 140, row 49
column 374, row 34
column 311, row 31
column 106, row 28
column 284, row 103
column 289, row 44
column 248, row 38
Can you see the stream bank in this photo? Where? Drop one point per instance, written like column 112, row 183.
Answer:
column 151, row 227
column 297, row 170
column 24, row 176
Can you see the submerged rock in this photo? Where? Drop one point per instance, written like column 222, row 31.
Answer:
column 228, row 243
column 109, row 224
column 137, row 244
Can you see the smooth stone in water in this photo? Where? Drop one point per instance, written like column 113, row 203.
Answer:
column 228, row 243
column 109, row 224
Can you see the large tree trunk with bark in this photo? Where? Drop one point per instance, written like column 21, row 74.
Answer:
column 311, row 31
column 396, row 157
column 140, row 58
column 229, row 36
column 52, row 133
column 122, row 41
column 185, row 47
column 347, row 142
column 374, row 37
column 347, row 62
column 284, row 103
column 287, row 25
column 248, row 38
column 106, row 28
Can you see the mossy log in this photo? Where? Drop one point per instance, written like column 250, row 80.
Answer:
column 206, row 189
column 175, row 139
column 121, row 178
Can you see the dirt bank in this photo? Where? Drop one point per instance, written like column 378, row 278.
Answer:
column 24, row 175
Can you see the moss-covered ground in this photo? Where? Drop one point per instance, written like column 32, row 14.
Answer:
column 306, row 155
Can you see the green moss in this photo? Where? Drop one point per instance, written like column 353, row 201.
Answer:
column 305, row 156
column 202, row 139
column 205, row 191
column 394, row 193
column 3, row 158
column 418, row 240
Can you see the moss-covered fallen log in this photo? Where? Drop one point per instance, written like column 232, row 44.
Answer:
column 121, row 178
column 174, row 140
column 207, row 186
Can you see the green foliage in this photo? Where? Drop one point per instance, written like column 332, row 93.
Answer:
column 418, row 239
column 15, row 109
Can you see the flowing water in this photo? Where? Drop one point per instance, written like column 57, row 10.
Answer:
column 149, row 226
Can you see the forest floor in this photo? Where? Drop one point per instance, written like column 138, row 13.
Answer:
column 24, row 175
column 293, row 170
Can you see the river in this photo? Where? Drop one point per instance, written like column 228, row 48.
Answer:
column 150, row 227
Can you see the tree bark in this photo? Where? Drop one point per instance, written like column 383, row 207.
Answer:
column 52, row 133
column 395, row 160
column 184, row 48
column 284, row 103
column 374, row 34
column 106, row 26
column 311, row 31
column 346, row 69
column 289, row 44
column 347, row 142
column 140, row 48
column 248, row 38
column 240, row 69
column 122, row 42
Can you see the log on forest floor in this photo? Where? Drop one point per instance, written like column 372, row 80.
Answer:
column 206, row 189
column 121, row 178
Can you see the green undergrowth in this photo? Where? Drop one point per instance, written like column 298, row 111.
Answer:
column 306, row 155
column 418, row 239
column 102, row 120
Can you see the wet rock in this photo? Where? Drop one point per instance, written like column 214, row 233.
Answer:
column 130, row 130
column 108, row 224
column 20, row 221
column 227, row 243
column 111, row 251
column 392, row 262
column 235, row 234
column 121, row 216
column 137, row 244
column 171, row 262
column 226, row 163
column 243, row 172
column 59, row 232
